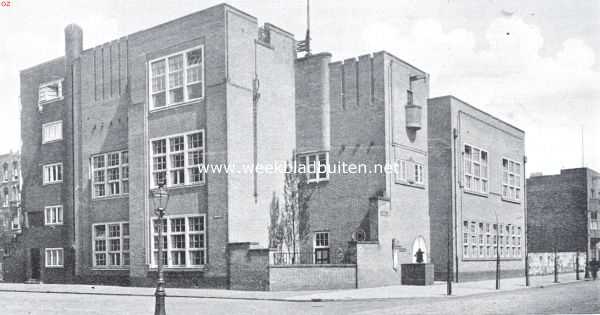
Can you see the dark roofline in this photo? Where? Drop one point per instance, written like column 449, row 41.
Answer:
column 479, row 110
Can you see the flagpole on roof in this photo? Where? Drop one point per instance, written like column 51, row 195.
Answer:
column 304, row 45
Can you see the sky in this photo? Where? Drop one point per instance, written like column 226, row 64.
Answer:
column 535, row 64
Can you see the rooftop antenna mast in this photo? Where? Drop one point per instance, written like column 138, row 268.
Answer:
column 304, row 45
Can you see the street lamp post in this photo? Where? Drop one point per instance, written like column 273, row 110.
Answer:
column 160, row 199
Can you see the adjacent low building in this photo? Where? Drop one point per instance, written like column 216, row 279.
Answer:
column 562, row 217
column 476, row 192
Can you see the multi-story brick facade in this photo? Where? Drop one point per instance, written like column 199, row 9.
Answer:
column 562, row 212
column 10, row 191
column 476, row 179
column 102, row 126
column 10, row 197
column 368, row 111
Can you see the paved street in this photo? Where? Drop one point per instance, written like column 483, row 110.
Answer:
column 580, row 297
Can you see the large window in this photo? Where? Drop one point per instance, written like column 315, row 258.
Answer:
column 50, row 91
column 177, row 78
column 176, row 160
column 111, row 244
column 53, row 215
column 52, row 131
column 475, row 169
column 409, row 172
column 480, row 240
column 315, row 165
column 184, row 241
column 52, row 173
column 511, row 180
column 54, row 258
column 110, row 174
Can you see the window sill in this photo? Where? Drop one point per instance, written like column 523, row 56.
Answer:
column 177, row 187
column 52, row 183
column 420, row 186
column 177, row 105
column 116, row 268
column 54, row 100
column 511, row 200
column 476, row 193
column 179, row 269
column 493, row 259
column 121, row 196
column 54, row 267
column 52, row 141
column 53, row 224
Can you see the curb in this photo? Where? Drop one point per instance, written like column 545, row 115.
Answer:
column 292, row 299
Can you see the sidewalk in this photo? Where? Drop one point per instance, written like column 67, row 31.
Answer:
column 438, row 290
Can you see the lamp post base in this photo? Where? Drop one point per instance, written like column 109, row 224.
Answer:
column 159, row 306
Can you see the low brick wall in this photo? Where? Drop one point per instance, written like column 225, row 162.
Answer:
column 312, row 277
column 248, row 267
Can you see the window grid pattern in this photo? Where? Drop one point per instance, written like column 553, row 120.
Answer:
column 480, row 240
column 54, row 257
column 177, row 78
column 410, row 172
column 475, row 169
column 184, row 241
column 511, row 180
column 111, row 245
column 315, row 165
column 110, row 174
column 52, row 173
column 178, row 160
column 50, row 91
column 53, row 215
column 52, row 131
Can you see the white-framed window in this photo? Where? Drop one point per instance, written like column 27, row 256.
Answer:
column 511, row 180
column 184, row 241
column 53, row 215
column 15, row 170
column 178, row 160
column 410, row 172
column 5, row 197
column 321, row 248
column 177, row 78
column 480, row 240
column 110, row 174
column 50, row 91
column 111, row 244
column 52, row 173
column 315, row 166
column 54, row 257
column 466, row 237
column 5, row 172
column 52, row 131
column 475, row 169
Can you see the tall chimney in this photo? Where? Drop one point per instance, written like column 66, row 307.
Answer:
column 73, row 42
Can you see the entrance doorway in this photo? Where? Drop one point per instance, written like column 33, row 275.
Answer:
column 36, row 262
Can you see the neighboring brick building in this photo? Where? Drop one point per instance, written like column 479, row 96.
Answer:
column 10, row 191
column 10, row 214
column 371, row 111
column 100, row 127
column 476, row 178
column 562, row 213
